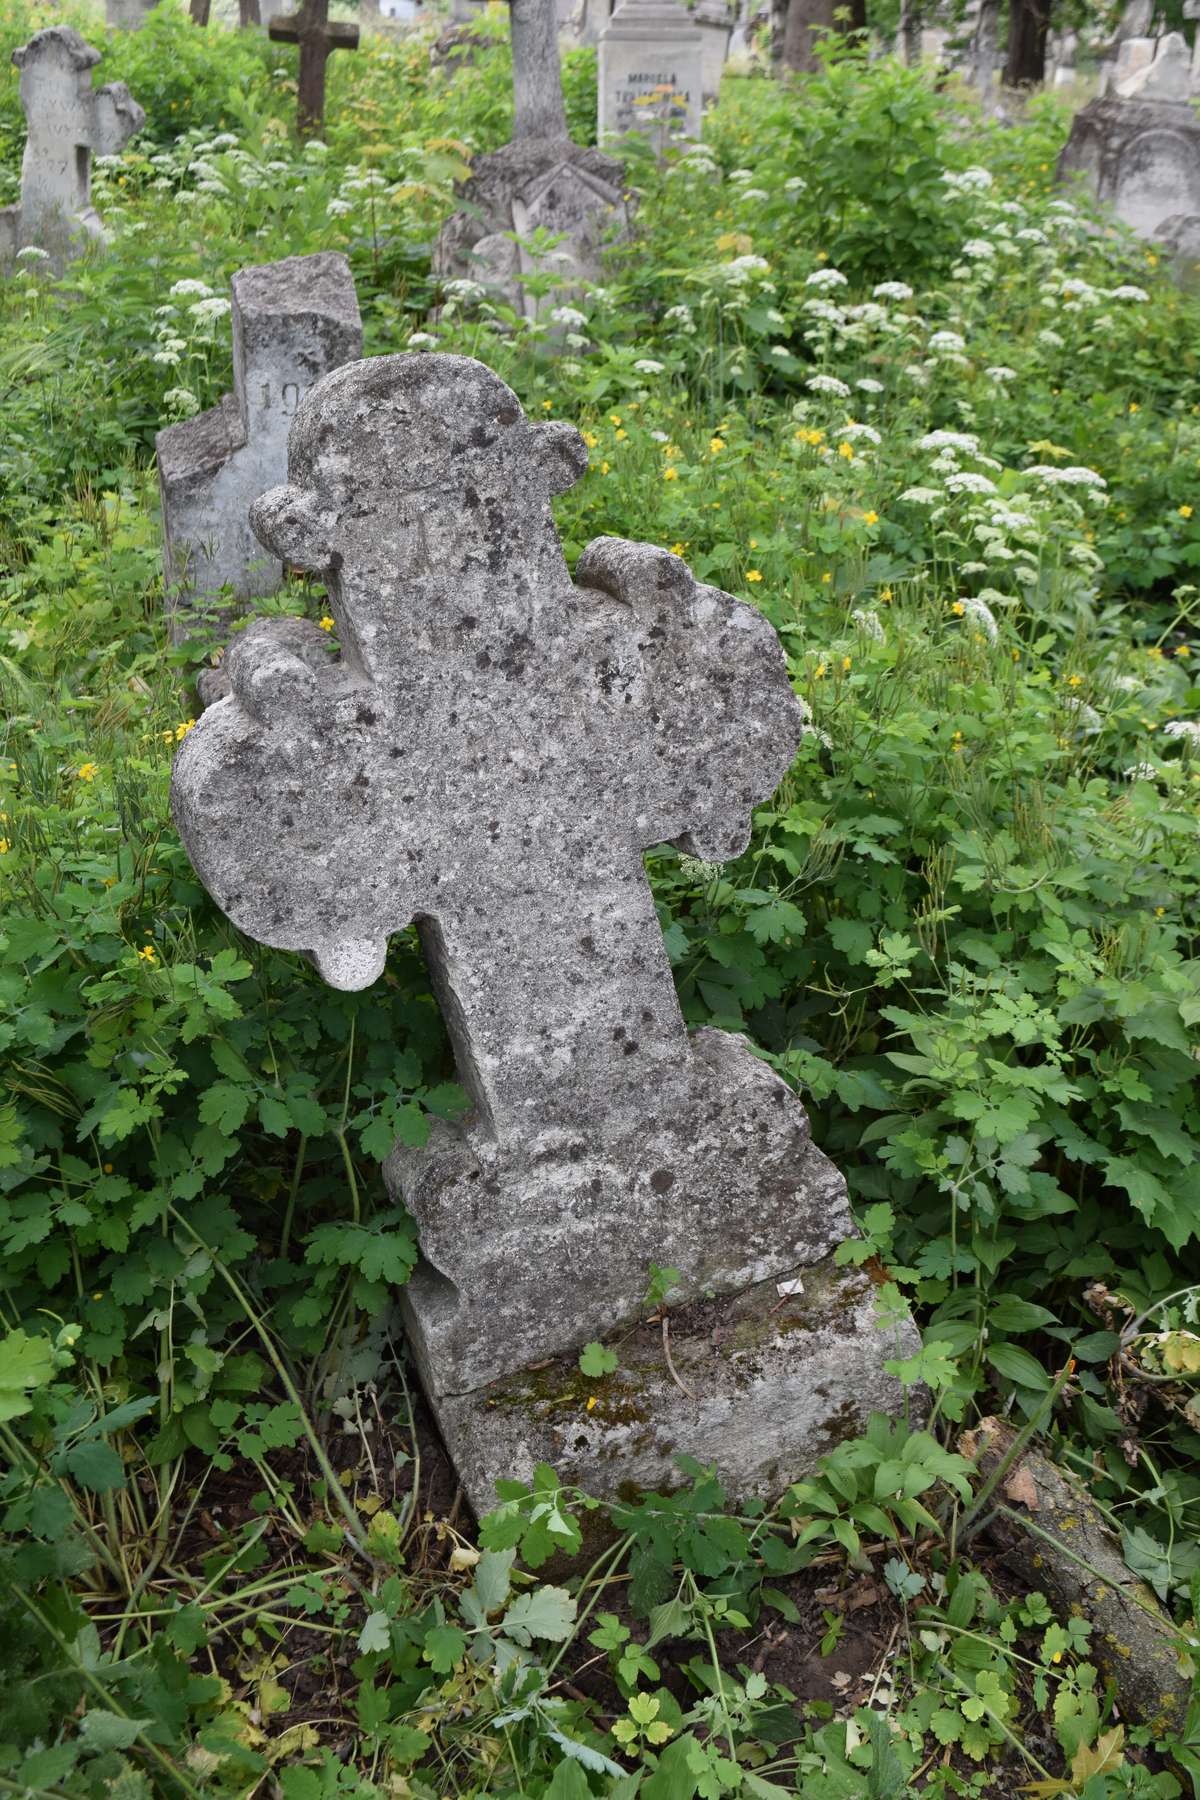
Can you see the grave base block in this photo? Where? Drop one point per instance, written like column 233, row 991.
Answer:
column 776, row 1380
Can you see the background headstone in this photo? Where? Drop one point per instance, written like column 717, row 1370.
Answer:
column 541, row 181
column 1167, row 76
column 127, row 15
column 651, row 74
column 715, row 20
column 490, row 755
column 67, row 122
column 292, row 321
column 1140, row 156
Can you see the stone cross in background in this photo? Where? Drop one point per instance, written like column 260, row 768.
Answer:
column 490, row 755
column 67, row 121
column 540, row 182
column 651, row 73
column 318, row 39
column 292, row 322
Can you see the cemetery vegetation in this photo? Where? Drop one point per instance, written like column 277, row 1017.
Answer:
column 866, row 366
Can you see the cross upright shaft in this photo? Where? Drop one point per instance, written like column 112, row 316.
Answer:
column 318, row 39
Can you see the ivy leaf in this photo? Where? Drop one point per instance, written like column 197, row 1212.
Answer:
column 548, row 1612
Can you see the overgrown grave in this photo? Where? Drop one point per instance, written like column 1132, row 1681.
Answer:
column 292, row 321
column 489, row 756
column 67, row 122
column 651, row 73
column 542, row 205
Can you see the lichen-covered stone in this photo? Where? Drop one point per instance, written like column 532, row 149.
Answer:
column 762, row 1383
column 67, row 121
column 490, row 755
column 292, row 322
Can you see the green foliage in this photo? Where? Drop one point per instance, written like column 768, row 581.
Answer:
column 965, row 929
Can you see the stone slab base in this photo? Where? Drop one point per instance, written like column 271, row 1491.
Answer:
column 777, row 1378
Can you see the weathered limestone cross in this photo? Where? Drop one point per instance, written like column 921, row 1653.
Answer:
column 318, row 39
column 489, row 756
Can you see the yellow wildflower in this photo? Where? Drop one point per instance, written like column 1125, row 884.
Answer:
column 885, row 594
column 590, row 439
column 547, row 406
column 622, row 433
column 670, row 474
column 753, row 575
column 826, row 578
column 671, row 451
column 604, row 468
column 1074, row 680
column 148, row 953
column 1183, row 650
column 1185, row 512
column 958, row 608
column 614, row 418
column 4, row 846
column 678, row 549
column 1133, row 406
column 870, row 518
column 715, row 446
column 182, row 729
column 846, row 450
column 818, row 671
column 1160, row 912
column 845, row 665
column 87, row 771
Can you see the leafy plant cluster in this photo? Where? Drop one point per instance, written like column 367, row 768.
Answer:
column 865, row 366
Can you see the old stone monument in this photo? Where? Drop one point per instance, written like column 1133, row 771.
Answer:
column 67, row 122
column 714, row 20
column 293, row 321
column 318, row 39
column 489, row 755
column 651, row 74
column 1138, row 147
column 542, row 203
column 127, row 15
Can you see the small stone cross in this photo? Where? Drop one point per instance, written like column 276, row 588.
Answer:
column 318, row 39
column 489, row 756
column 67, row 122
column 293, row 321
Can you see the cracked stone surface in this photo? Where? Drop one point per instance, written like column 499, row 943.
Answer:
column 489, row 755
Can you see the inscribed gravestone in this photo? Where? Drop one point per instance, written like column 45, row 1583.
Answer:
column 292, row 322
column 651, row 74
column 67, row 121
column 1138, row 147
column 541, row 182
column 490, row 755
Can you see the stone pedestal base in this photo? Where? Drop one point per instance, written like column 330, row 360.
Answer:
column 776, row 1379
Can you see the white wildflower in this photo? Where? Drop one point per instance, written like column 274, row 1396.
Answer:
column 921, row 496
column 979, row 249
column 868, row 385
column 949, row 440
column 421, row 340
column 741, row 174
column 968, row 482
column 168, row 358
column 1143, row 771
column 854, row 431
column 979, row 613
column 646, row 365
column 1127, row 291
column 827, row 384
column 1071, row 476
column 337, row 209
column 1050, row 339
column 868, row 623
column 947, row 340
column 199, row 288
column 780, row 350
column 206, row 312
column 1085, row 718
column 1031, row 235
column 182, row 402
column 569, row 315
column 465, row 291
column 968, row 181
column 1000, row 372
column 661, row 437
column 30, row 253
column 892, row 290
column 795, row 184
column 575, row 340
column 754, row 194
column 1187, row 729
column 826, row 278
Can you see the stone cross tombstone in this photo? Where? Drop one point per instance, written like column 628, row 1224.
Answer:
column 67, row 122
column 293, row 321
column 651, row 73
column 489, row 756
column 318, row 39
column 539, row 189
